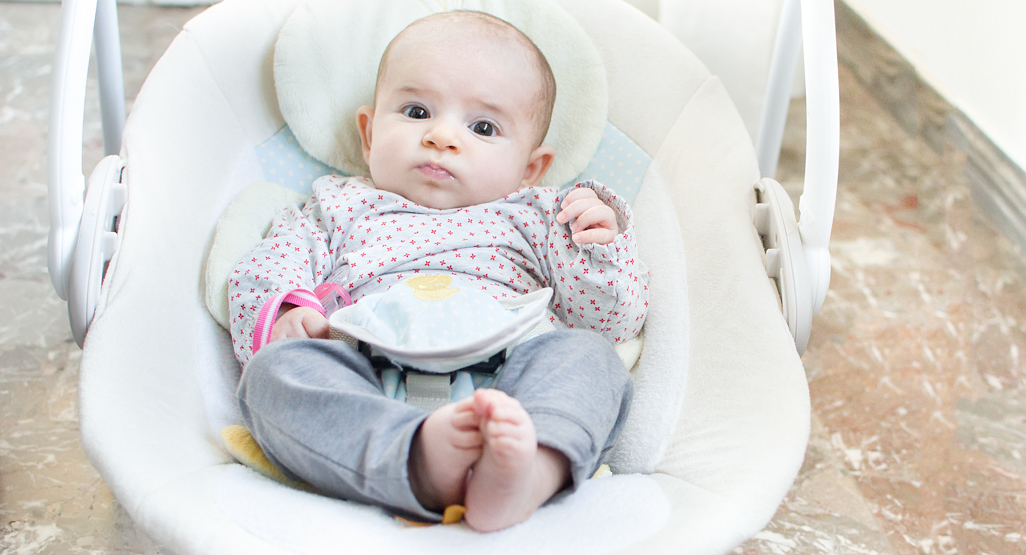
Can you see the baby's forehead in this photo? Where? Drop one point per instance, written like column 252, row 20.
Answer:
column 461, row 29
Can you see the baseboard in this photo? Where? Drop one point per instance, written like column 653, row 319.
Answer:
column 998, row 183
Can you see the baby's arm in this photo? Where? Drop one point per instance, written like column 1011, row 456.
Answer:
column 282, row 270
column 601, row 286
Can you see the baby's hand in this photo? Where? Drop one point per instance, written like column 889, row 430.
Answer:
column 595, row 221
column 299, row 321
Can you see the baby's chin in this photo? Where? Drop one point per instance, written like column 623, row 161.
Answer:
column 439, row 199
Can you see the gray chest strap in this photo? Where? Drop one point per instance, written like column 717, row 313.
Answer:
column 430, row 390
column 427, row 391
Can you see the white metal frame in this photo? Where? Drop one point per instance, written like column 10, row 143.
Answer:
column 797, row 254
column 83, row 233
column 802, row 271
column 779, row 82
column 822, row 145
column 83, row 226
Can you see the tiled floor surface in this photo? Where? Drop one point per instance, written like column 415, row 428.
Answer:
column 915, row 363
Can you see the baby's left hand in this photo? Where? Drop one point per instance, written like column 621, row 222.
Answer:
column 595, row 221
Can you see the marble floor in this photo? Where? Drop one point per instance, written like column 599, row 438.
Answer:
column 915, row 363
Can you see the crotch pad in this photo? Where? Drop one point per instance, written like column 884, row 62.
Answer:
column 439, row 323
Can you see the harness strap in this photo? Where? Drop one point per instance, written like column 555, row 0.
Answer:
column 427, row 391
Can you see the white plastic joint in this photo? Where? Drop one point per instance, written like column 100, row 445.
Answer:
column 774, row 220
column 97, row 241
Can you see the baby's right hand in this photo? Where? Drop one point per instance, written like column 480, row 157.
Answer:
column 593, row 220
column 300, row 321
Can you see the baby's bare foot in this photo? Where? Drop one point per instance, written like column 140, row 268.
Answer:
column 514, row 476
column 447, row 444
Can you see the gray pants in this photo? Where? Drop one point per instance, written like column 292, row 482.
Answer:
column 318, row 410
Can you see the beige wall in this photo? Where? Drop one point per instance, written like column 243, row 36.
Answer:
column 973, row 52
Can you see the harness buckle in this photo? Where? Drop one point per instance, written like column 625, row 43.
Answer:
column 431, row 390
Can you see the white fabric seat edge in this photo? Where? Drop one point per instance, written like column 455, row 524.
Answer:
column 745, row 419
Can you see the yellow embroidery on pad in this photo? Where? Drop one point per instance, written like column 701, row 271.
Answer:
column 431, row 288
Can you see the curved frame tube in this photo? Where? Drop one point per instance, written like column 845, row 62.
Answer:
column 823, row 143
column 786, row 49
column 107, row 40
column 66, row 181
column 810, row 22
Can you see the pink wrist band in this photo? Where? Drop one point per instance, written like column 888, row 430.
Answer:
column 325, row 298
column 269, row 312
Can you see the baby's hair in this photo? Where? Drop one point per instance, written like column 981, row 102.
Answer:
column 498, row 29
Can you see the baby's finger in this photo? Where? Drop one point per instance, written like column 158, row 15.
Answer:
column 315, row 325
column 276, row 335
column 577, row 194
column 466, row 420
column 596, row 216
column 576, row 208
column 463, row 439
column 597, row 235
column 494, row 430
column 287, row 326
column 514, row 416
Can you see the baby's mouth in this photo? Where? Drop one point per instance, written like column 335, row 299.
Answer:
column 434, row 172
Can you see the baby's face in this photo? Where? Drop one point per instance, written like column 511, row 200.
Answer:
column 452, row 126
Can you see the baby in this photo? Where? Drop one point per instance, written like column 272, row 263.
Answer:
column 462, row 103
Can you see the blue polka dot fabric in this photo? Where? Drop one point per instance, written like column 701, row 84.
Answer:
column 286, row 163
column 619, row 163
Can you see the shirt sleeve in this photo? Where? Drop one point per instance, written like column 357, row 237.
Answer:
column 286, row 266
column 603, row 288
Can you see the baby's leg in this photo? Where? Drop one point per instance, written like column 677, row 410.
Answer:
column 446, row 446
column 319, row 412
column 515, row 475
column 572, row 395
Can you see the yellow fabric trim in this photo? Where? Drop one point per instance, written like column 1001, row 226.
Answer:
column 244, row 448
column 453, row 514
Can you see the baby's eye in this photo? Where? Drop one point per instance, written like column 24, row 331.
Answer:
column 483, row 128
column 416, row 112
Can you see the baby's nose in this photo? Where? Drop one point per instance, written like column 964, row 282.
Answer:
column 443, row 137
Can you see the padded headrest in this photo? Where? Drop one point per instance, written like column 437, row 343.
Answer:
column 326, row 61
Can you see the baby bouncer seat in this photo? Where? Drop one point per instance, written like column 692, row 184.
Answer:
column 720, row 418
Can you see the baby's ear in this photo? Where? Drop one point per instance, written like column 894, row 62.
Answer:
column 364, row 119
column 537, row 166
